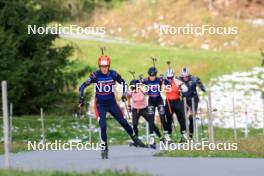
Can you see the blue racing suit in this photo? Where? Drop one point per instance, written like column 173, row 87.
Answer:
column 155, row 100
column 105, row 99
column 192, row 84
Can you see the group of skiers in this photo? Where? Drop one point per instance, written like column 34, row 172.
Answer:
column 136, row 96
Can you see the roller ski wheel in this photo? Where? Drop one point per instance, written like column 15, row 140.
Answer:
column 184, row 138
column 152, row 143
column 153, row 146
column 104, row 152
column 132, row 144
column 167, row 138
column 137, row 143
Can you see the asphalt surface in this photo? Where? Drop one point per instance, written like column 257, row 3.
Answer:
column 135, row 159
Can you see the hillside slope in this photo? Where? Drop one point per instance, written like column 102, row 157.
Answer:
column 140, row 21
column 136, row 57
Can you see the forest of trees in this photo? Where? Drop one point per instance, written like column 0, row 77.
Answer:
column 36, row 70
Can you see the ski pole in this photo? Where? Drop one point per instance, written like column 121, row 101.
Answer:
column 127, row 110
column 195, row 129
column 234, row 117
column 133, row 74
column 263, row 112
column 90, row 127
column 246, row 122
column 203, row 135
column 174, row 125
column 79, row 110
column 153, row 61
column 168, row 63
column 186, row 116
column 147, row 132
column 210, row 118
column 168, row 102
column 102, row 50
column 173, row 122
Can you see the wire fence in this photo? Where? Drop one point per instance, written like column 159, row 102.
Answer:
column 207, row 117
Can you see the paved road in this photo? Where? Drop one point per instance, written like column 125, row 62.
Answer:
column 136, row 159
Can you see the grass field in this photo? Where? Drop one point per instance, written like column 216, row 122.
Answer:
column 60, row 173
column 247, row 148
column 136, row 57
column 27, row 128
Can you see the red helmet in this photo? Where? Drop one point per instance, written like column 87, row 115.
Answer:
column 104, row 61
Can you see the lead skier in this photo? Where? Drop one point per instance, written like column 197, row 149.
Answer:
column 104, row 80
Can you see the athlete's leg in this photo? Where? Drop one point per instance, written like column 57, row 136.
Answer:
column 117, row 113
column 145, row 115
column 151, row 112
column 178, row 108
column 161, row 110
column 189, row 103
column 169, row 114
column 135, row 118
column 100, row 112
column 196, row 103
column 151, row 116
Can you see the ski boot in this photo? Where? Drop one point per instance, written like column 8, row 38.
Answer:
column 190, row 136
column 162, row 139
column 167, row 137
column 104, row 151
column 183, row 138
column 152, row 143
column 137, row 142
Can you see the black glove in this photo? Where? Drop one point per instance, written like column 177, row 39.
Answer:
column 140, row 78
column 124, row 97
column 81, row 101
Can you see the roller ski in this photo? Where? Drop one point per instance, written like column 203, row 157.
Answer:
column 152, row 143
column 104, row 151
column 183, row 138
column 137, row 143
column 167, row 137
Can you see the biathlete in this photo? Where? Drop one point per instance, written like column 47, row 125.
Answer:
column 174, row 103
column 138, row 105
column 105, row 101
column 191, row 82
column 155, row 100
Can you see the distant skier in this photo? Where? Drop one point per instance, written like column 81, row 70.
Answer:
column 138, row 104
column 104, row 80
column 155, row 100
column 191, row 82
column 174, row 103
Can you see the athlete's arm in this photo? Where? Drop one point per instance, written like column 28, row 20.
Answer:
column 90, row 80
column 121, row 81
column 129, row 96
column 144, row 81
column 165, row 81
column 200, row 84
column 182, row 85
column 141, row 88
